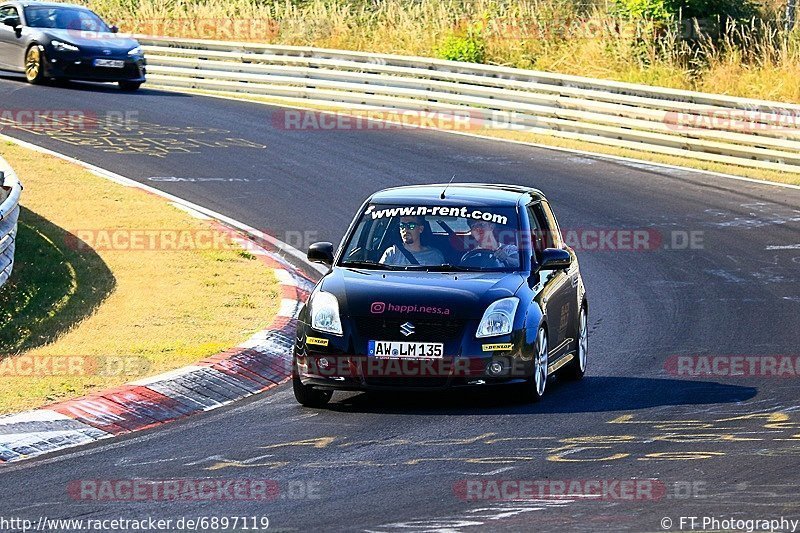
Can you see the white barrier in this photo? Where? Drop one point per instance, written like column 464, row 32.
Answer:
column 708, row 127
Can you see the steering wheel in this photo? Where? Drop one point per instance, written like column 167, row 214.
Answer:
column 480, row 257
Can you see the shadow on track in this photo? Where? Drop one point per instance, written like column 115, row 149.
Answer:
column 96, row 87
column 592, row 394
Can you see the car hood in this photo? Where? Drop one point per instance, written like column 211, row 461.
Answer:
column 110, row 41
column 463, row 295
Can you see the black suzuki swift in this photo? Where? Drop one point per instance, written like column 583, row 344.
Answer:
column 442, row 286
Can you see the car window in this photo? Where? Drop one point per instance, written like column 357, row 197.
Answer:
column 546, row 234
column 8, row 11
column 64, row 18
column 445, row 237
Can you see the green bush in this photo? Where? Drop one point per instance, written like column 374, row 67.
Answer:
column 469, row 47
column 699, row 9
column 643, row 9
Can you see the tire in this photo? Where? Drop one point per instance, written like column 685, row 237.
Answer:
column 308, row 396
column 129, row 86
column 34, row 64
column 533, row 389
column 576, row 368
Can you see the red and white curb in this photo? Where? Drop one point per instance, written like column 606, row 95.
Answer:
column 259, row 364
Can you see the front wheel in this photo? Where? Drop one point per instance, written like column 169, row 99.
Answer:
column 309, row 396
column 577, row 367
column 130, row 86
column 34, row 64
column 533, row 389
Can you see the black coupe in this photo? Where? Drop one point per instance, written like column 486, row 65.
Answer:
column 62, row 41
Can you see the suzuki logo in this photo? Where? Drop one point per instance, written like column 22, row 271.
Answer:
column 407, row 329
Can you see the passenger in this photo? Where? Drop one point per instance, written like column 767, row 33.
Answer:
column 484, row 235
column 411, row 229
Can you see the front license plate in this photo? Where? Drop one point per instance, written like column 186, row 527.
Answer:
column 415, row 350
column 113, row 63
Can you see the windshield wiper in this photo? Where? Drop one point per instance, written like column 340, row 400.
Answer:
column 370, row 265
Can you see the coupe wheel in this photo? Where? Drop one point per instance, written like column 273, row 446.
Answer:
column 34, row 64
column 577, row 367
column 308, row 396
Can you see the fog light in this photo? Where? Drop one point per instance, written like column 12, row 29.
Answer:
column 323, row 363
column 495, row 368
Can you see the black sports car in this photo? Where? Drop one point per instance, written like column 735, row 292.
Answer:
column 62, row 41
column 441, row 286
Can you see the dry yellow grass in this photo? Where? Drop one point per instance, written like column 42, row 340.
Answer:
column 553, row 35
column 161, row 308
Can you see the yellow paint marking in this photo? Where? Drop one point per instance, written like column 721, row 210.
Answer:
column 679, row 456
column 239, row 464
column 703, row 437
column 512, row 439
column 471, row 460
column 453, row 442
column 320, row 442
column 562, row 457
column 770, row 417
column 599, row 439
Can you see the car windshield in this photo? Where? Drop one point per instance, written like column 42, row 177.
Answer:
column 64, row 18
column 436, row 238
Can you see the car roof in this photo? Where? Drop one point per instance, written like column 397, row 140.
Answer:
column 459, row 193
column 48, row 4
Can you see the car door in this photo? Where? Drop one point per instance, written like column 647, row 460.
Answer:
column 10, row 44
column 559, row 295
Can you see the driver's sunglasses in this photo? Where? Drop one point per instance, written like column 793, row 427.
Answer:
column 409, row 225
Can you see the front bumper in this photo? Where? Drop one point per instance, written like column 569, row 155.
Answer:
column 81, row 67
column 341, row 363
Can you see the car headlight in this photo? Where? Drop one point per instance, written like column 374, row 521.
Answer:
column 498, row 319
column 61, row 46
column 325, row 313
column 135, row 52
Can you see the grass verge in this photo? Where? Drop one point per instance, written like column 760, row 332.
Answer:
column 115, row 310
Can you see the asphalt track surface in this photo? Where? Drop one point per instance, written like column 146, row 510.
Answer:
column 717, row 446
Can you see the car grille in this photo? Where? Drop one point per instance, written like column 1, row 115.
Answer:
column 388, row 329
column 85, row 70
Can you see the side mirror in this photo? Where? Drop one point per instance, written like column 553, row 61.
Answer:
column 12, row 21
column 321, row 252
column 555, row 259
column 114, row 29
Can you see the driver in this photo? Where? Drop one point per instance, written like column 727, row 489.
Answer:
column 484, row 234
column 411, row 229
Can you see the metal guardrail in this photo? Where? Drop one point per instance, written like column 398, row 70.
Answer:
column 10, row 189
column 708, row 127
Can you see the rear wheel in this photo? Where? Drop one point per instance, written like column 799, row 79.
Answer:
column 577, row 367
column 130, row 85
column 308, row 396
column 34, row 64
column 533, row 389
